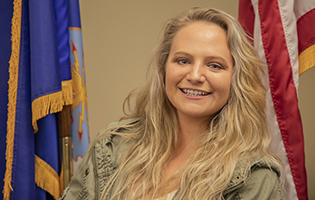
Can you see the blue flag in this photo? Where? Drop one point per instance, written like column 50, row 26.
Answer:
column 36, row 81
column 79, row 123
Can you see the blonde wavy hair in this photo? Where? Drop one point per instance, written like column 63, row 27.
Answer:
column 238, row 131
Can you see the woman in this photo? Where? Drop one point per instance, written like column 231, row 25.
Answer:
column 198, row 129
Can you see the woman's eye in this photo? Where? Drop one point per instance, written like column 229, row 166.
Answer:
column 215, row 66
column 182, row 61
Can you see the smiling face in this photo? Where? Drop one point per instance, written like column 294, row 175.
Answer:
column 199, row 71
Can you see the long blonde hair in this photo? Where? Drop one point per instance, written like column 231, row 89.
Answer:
column 238, row 131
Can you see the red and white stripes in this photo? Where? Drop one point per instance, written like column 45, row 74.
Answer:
column 273, row 25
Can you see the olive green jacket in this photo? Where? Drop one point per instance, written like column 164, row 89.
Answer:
column 101, row 161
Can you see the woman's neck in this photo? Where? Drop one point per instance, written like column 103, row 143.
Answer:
column 190, row 129
column 189, row 133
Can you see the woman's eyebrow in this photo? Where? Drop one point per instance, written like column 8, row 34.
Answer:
column 208, row 57
column 218, row 58
column 182, row 53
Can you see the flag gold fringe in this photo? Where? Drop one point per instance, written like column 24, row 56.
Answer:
column 46, row 177
column 307, row 59
column 12, row 94
column 52, row 102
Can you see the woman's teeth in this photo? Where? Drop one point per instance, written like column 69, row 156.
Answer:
column 194, row 92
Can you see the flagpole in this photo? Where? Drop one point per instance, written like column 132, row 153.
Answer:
column 64, row 131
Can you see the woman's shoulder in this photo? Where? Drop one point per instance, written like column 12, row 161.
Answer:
column 102, row 158
column 111, row 141
column 113, row 134
column 247, row 164
column 123, row 122
column 255, row 178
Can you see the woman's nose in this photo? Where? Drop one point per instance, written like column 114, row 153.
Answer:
column 196, row 73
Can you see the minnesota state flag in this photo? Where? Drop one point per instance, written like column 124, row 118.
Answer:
column 41, row 72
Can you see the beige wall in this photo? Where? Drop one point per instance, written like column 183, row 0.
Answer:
column 118, row 38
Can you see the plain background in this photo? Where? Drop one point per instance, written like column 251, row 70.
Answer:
column 118, row 39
